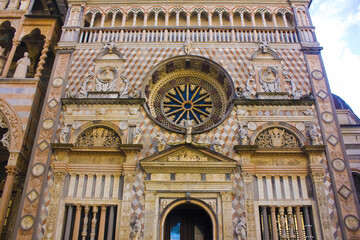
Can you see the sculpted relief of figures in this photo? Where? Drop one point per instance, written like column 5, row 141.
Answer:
column 99, row 137
column 276, row 138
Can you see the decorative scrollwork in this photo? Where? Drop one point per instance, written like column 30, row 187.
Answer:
column 99, row 137
column 277, row 138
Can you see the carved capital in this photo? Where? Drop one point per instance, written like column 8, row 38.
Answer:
column 16, row 42
column 11, row 170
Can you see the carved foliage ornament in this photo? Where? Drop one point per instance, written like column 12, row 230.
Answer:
column 98, row 137
column 276, row 138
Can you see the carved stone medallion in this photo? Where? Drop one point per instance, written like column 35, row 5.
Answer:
column 57, row 82
column 26, row 222
column 327, row 117
column 252, row 126
column 352, row 223
column 38, row 169
column 318, row 75
column 338, row 164
column 48, row 123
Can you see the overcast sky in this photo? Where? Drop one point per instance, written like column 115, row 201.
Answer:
column 337, row 25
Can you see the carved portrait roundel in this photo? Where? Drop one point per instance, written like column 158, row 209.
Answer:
column 188, row 87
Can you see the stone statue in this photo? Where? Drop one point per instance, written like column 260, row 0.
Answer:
column 243, row 134
column 22, row 66
column 125, row 91
column 135, row 93
column 217, row 144
column 111, row 46
column 188, row 46
column 2, row 59
column 188, row 124
column 136, row 135
column 161, row 144
column 314, row 135
column 240, row 229
column 63, row 134
column 135, row 226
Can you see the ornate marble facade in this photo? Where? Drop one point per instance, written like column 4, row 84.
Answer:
column 223, row 110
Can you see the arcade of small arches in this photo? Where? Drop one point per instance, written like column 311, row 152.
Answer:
column 180, row 16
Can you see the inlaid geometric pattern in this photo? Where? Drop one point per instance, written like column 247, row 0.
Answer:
column 322, row 94
column 137, row 202
column 238, row 202
column 344, row 191
column 333, row 140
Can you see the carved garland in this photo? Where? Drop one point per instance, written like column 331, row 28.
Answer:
column 277, row 138
column 98, row 137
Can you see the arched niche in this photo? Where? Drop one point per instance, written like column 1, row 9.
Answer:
column 33, row 44
column 97, row 134
column 277, row 135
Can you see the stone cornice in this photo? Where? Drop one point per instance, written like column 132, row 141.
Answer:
column 102, row 101
column 274, row 102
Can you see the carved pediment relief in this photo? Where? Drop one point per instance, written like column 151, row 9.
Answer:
column 99, row 136
column 187, row 158
column 277, row 138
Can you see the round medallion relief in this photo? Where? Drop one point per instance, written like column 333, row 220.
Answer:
column 252, row 126
column 318, row 75
column 327, row 117
column 57, row 82
column 352, row 223
column 193, row 88
column 26, row 222
column 48, row 123
column 38, row 169
column 338, row 164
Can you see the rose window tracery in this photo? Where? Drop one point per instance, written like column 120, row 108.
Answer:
column 188, row 88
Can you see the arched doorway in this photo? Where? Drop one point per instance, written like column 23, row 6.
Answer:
column 188, row 222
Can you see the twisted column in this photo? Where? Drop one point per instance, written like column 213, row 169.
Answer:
column 43, row 56
column 5, row 198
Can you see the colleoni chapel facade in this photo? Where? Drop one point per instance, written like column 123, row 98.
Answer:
column 176, row 120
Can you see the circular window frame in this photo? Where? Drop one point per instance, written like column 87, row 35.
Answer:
column 188, row 66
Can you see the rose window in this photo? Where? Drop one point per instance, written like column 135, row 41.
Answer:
column 188, row 88
column 187, row 101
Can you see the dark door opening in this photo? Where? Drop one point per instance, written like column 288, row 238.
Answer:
column 188, row 222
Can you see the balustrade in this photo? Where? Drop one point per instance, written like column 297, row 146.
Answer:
column 286, row 222
column 195, row 34
column 91, row 221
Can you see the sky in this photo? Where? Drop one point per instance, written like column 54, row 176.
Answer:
column 337, row 24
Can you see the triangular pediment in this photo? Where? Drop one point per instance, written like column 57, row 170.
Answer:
column 186, row 157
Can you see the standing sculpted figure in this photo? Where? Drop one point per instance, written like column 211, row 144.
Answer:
column 126, row 90
column 217, row 144
column 161, row 144
column 188, row 124
column 314, row 135
column 240, row 229
column 243, row 134
column 136, row 134
column 63, row 134
column 135, row 228
column 22, row 66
